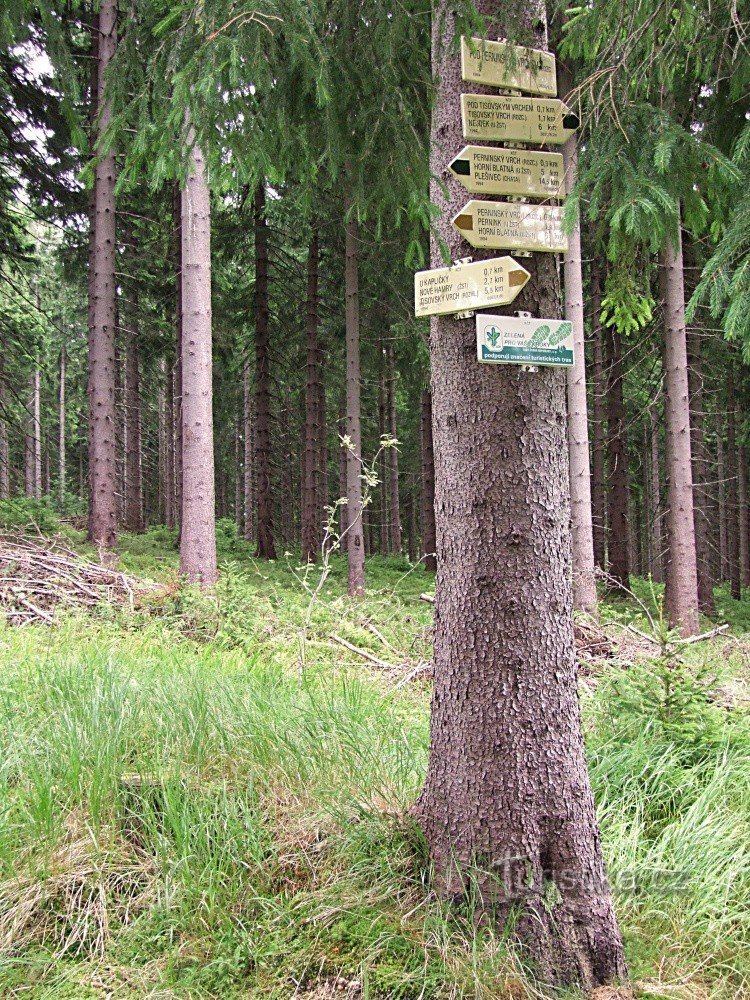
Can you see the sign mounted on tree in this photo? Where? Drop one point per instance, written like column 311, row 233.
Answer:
column 524, row 341
column 512, row 226
column 447, row 290
column 517, row 119
column 498, row 64
column 484, row 170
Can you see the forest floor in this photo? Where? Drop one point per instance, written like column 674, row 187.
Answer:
column 190, row 806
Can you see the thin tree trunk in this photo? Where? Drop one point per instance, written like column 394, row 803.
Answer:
column 507, row 806
column 733, row 508
column 701, row 477
column 412, row 512
column 429, row 537
column 617, row 496
column 344, row 508
column 311, row 522
column 599, row 392
column 239, row 479
column 742, row 499
column 322, row 494
column 383, row 460
column 584, row 580
column 4, row 442
column 33, row 445
column 103, row 318
column 721, row 493
column 198, row 524
column 681, row 593
column 287, row 471
column 61, row 424
column 392, row 453
column 249, row 484
column 170, row 513
column 177, row 407
column 656, row 504
column 355, row 535
column 263, row 484
column 133, row 458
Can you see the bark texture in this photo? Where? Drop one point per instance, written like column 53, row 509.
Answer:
column 198, row 525
column 4, row 444
column 584, row 581
column 249, row 442
column 617, row 462
column 263, row 482
column 33, row 440
column 599, row 394
column 61, row 423
column 395, row 506
column 102, row 310
column 507, row 789
column 355, row 537
column 311, row 524
column 742, row 500
column 681, row 592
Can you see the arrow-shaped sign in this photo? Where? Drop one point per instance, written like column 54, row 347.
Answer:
column 464, row 287
column 485, row 170
column 517, row 119
column 498, row 64
column 512, row 226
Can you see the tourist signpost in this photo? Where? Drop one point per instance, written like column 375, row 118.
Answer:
column 463, row 287
column 487, row 170
column 512, row 226
column 498, row 64
column 524, row 341
column 517, row 119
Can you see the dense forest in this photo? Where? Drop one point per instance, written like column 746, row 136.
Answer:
column 229, row 432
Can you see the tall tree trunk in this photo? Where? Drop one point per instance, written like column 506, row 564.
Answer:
column 701, row 477
column 617, row 460
column 287, row 471
column 383, row 488
column 392, row 453
column 733, row 507
column 133, row 457
column 507, row 796
column 355, row 536
column 721, row 493
column 263, row 483
column 311, row 523
column 599, row 393
column 177, row 408
column 412, row 513
column 429, row 537
column 249, row 436
column 198, row 524
column 4, row 443
column 322, row 495
column 170, row 513
column 61, row 424
column 584, row 580
column 33, row 446
column 103, row 318
column 656, row 504
column 344, row 508
column 742, row 499
column 681, row 592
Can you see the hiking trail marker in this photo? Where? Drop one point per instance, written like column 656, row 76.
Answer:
column 512, row 226
column 517, row 119
column 512, row 67
column 468, row 286
column 524, row 341
column 486, row 170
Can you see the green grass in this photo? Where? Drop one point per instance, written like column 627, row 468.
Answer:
column 187, row 812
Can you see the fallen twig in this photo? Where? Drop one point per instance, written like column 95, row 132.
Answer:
column 363, row 653
column 430, row 598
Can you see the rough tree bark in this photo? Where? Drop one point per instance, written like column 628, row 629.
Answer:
column 198, row 524
column 507, row 792
column 701, row 477
column 392, row 453
column 61, row 424
column 617, row 462
column 681, row 591
column 263, row 483
column 733, row 507
column 384, row 512
column 599, row 394
column 177, row 381
column 33, row 442
column 355, row 536
column 343, row 509
column 249, row 441
column 311, row 523
column 742, row 500
column 584, row 580
column 429, row 541
column 102, row 312
column 721, row 494
column 657, row 539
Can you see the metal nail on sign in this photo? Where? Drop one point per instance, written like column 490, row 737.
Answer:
column 498, row 64
column 447, row 290
column 524, row 341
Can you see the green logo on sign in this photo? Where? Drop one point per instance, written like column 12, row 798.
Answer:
column 493, row 335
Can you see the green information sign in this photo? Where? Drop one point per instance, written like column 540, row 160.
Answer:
column 524, row 341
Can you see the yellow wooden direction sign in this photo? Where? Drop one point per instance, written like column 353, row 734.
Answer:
column 498, row 64
column 512, row 226
column 517, row 119
column 486, row 170
column 464, row 287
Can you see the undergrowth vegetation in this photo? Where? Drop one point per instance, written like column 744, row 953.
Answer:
column 189, row 810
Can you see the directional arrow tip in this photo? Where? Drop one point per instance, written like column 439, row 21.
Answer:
column 461, row 167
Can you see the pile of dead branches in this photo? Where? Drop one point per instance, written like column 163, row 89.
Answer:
column 40, row 576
